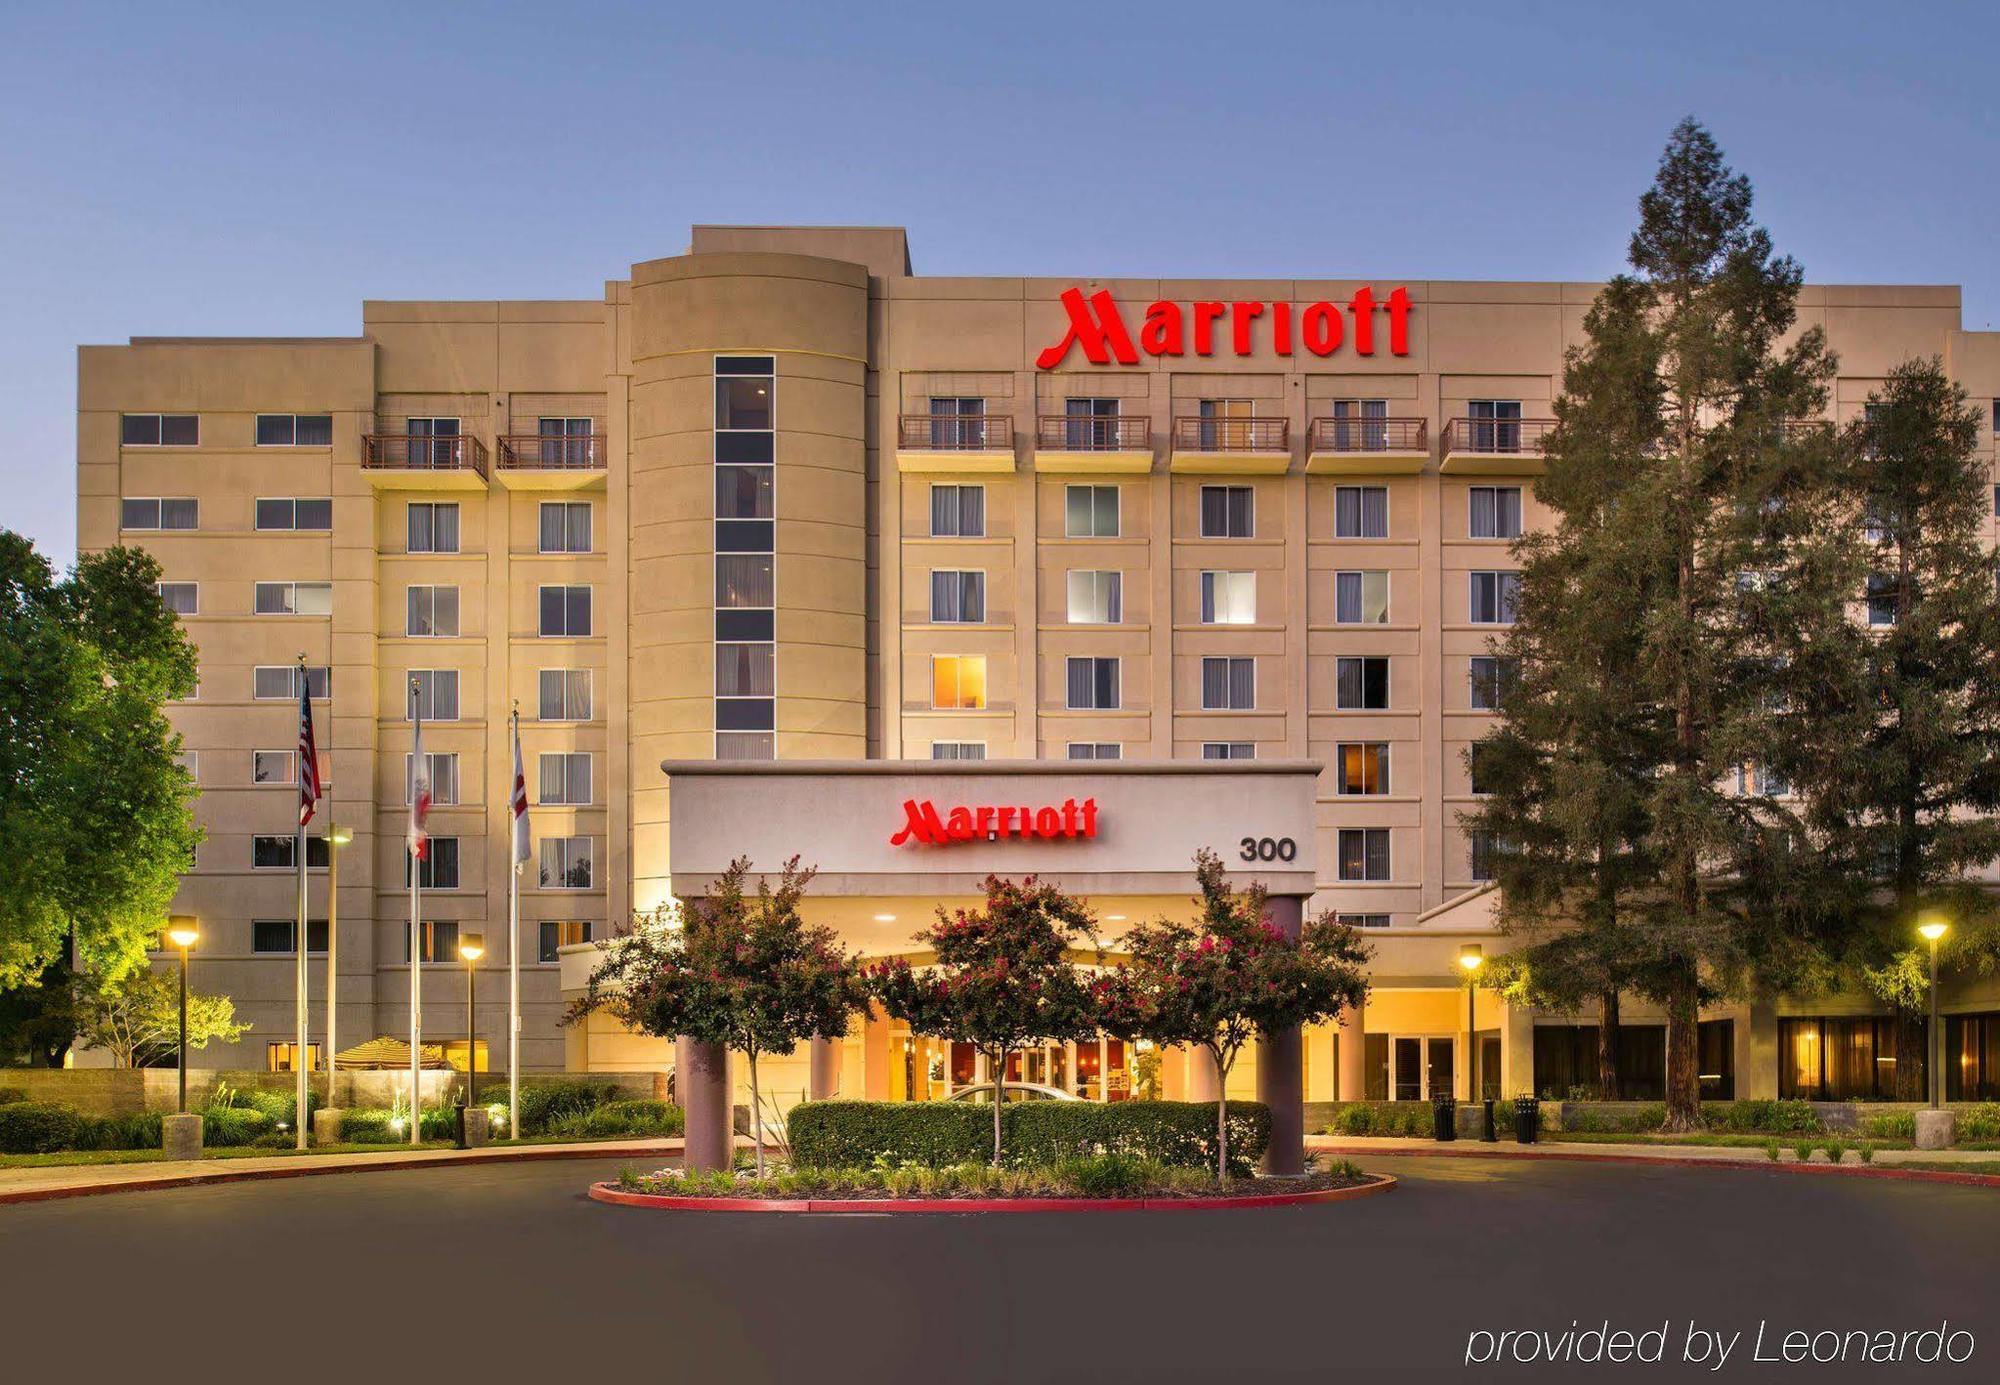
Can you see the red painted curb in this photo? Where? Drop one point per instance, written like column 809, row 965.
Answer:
column 221, row 1175
column 1888, row 1171
column 605, row 1192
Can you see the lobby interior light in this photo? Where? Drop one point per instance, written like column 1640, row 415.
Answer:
column 472, row 946
column 885, row 918
column 182, row 931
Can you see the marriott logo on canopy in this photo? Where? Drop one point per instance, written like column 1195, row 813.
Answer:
column 985, row 822
column 1321, row 328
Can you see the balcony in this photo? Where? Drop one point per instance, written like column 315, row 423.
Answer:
column 395, row 461
column 535, row 462
column 1494, row 446
column 1094, row 444
column 1232, row 446
column 960, row 443
column 1349, row 446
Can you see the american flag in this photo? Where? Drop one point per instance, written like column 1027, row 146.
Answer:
column 309, row 782
column 420, row 783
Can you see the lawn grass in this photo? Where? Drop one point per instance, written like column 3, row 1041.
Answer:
column 1708, row 1140
column 88, row 1157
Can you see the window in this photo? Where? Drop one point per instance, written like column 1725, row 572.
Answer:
column 1479, row 767
column 958, row 512
column 1361, row 512
column 743, row 492
column 565, row 694
column 1496, row 512
column 433, row 526
column 1363, row 767
column 284, row 512
column 439, row 869
column 1762, row 781
column 744, row 670
column 280, row 935
column 280, row 682
column 1495, row 425
column 957, row 422
column 1881, row 598
column 1229, row 598
column 275, row 852
column 556, row 934
column 440, row 941
column 281, row 1055
column 1361, row 598
column 432, row 442
column 444, row 777
column 272, row 767
column 294, row 598
column 1493, row 678
column 566, row 779
column 743, row 393
column 1096, row 750
column 1090, row 512
column 1362, row 920
column 295, row 430
column 1225, row 424
column 1479, row 849
column 565, row 611
column 1090, row 425
column 1361, row 684
column 1363, row 853
column 437, row 694
column 958, row 682
column 744, row 581
column 148, row 513
column 1228, row 684
column 565, row 526
column 958, row 597
column 566, row 863
column 1228, row 750
column 744, row 745
column 433, row 612
column 1092, row 684
column 160, row 430
column 958, row 750
column 1096, row 598
column 1228, row 512
column 179, row 597
column 1358, row 425
column 190, row 760
column 1494, row 597
column 565, row 442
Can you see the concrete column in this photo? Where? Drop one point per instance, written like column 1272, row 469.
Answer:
column 1757, row 1056
column 1173, row 1074
column 1354, row 1054
column 1204, row 1083
column 823, row 1080
column 1281, row 1068
column 1517, row 1051
column 875, row 1054
column 704, row 1093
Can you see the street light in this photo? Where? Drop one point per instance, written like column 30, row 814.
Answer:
column 1930, row 930
column 1471, row 957
column 471, row 947
column 182, row 933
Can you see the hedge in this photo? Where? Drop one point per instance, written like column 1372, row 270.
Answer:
column 1404, row 1118
column 939, row 1134
column 234, row 1125
column 10, row 1095
column 636, row 1117
column 37, row 1127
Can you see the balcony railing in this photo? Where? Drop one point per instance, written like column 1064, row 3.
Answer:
column 956, row 433
column 1093, row 433
column 540, row 452
column 1368, row 435
column 400, row 452
column 1506, row 436
column 1232, row 435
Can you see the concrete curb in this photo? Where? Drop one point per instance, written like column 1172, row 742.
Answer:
column 389, row 1164
column 1884, row 1171
column 605, row 1192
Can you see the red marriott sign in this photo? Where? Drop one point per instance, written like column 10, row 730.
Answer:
column 1321, row 328
column 923, row 826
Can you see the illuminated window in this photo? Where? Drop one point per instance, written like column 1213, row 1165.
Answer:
column 556, row 934
column 1228, row 598
column 281, row 1055
column 1364, row 767
column 1361, row 598
column 958, row 682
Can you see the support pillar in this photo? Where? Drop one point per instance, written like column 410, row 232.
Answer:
column 1757, row 1055
column 823, row 1071
column 704, row 1091
column 875, row 1054
column 1204, row 1083
column 1354, row 1054
column 1281, row 1068
column 1517, row 1051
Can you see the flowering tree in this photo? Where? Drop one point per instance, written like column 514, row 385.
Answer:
column 1230, row 974
column 1002, row 980
column 746, row 973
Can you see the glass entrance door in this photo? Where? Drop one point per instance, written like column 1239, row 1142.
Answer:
column 1420, row 1066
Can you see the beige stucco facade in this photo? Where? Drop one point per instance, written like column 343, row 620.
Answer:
column 1389, row 466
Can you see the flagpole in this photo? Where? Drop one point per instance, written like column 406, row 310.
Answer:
column 416, row 933
column 300, row 1057
column 514, row 950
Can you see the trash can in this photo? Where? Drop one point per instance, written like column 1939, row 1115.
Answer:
column 1487, row 1134
column 1444, row 1118
column 1527, row 1118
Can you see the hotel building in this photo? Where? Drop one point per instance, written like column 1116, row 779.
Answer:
column 1224, row 555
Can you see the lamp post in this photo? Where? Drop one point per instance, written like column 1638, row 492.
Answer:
column 471, row 947
column 182, row 933
column 336, row 838
column 1931, row 930
column 1471, row 957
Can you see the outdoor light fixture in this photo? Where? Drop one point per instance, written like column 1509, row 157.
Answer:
column 1930, row 930
column 1472, row 956
column 471, row 947
column 885, row 918
column 182, row 932
column 1933, row 930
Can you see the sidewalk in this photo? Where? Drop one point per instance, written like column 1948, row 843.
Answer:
column 1557, row 1148
column 80, row 1180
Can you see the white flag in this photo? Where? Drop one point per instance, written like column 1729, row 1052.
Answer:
column 520, row 802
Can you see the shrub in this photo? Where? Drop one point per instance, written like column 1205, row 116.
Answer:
column 620, row 1118
column 1803, row 1149
column 1109, row 1175
column 233, row 1125
column 1761, row 1117
column 1034, row 1134
column 1866, row 1151
column 1772, row 1149
column 279, row 1107
column 366, row 1128
column 548, row 1101
column 1974, row 1122
column 37, row 1127
column 1404, row 1118
column 275, row 1139
column 1836, row 1150
column 138, row 1131
column 10, row 1095
column 1891, row 1125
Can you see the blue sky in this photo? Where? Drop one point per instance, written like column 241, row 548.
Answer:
column 229, row 169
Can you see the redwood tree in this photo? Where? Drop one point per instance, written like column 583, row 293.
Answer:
column 1002, row 977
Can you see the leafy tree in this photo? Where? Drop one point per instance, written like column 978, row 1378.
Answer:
column 1230, row 974
column 1002, row 978
column 1913, row 736
column 38, row 1020
column 137, row 1018
column 87, row 757
column 748, row 973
